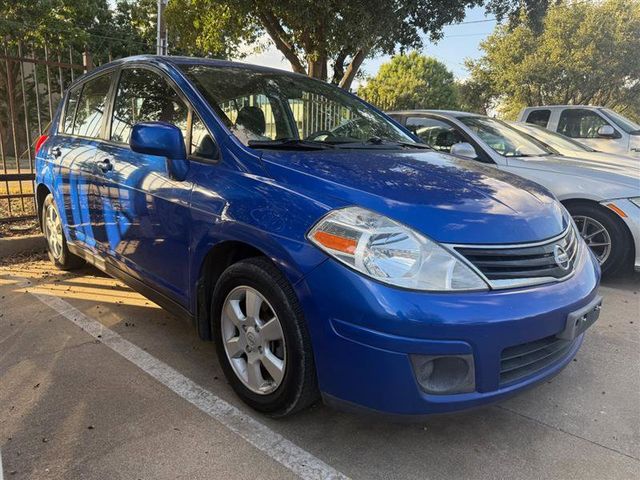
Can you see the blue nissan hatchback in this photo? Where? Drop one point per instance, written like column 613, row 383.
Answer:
column 323, row 250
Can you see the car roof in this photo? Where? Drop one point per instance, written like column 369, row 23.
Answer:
column 163, row 60
column 182, row 60
column 542, row 107
column 443, row 113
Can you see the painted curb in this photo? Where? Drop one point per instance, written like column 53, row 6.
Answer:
column 21, row 245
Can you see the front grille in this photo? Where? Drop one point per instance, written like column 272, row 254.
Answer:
column 515, row 265
column 526, row 359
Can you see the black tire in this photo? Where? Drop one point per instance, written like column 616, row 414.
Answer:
column 619, row 258
column 62, row 258
column 298, row 388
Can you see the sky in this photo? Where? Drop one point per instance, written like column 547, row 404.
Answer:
column 460, row 42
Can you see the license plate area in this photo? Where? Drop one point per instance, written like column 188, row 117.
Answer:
column 578, row 321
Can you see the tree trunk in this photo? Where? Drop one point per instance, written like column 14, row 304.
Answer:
column 272, row 25
column 338, row 67
column 353, row 68
column 317, row 67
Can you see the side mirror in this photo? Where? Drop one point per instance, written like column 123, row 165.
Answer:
column 164, row 140
column 464, row 149
column 606, row 131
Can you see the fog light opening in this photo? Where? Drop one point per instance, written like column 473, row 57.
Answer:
column 441, row 375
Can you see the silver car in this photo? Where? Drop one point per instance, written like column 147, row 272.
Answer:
column 602, row 196
column 566, row 146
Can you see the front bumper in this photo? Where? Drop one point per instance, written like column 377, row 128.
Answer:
column 632, row 220
column 363, row 333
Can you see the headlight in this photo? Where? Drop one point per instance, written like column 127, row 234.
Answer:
column 635, row 201
column 390, row 252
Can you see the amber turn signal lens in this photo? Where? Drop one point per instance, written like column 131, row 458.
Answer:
column 620, row 212
column 335, row 242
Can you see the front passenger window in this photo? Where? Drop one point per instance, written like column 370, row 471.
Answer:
column 580, row 123
column 144, row 96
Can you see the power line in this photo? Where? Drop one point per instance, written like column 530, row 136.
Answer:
column 486, row 20
column 478, row 34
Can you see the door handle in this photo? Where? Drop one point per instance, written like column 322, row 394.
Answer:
column 56, row 152
column 105, row 165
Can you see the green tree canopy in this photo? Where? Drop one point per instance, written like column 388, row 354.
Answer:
column 411, row 81
column 53, row 21
column 473, row 96
column 315, row 36
column 535, row 11
column 76, row 24
column 587, row 53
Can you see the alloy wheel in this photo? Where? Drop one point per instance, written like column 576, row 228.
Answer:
column 595, row 235
column 53, row 230
column 253, row 340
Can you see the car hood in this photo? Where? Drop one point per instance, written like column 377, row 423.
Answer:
column 603, row 167
column 449, row 199
column 602, row 158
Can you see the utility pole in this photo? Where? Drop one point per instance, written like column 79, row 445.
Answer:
column 162, row 43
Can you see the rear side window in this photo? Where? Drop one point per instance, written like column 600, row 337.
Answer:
column 580, row 123
column 91, row 107
column 539, row 117
column 70, row 109
column 144, row 96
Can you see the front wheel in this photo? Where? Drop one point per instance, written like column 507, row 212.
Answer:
column 262, row 340
column 57, row 248
column 605, row 234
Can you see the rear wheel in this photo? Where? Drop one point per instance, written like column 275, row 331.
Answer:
column 261, row 338
column 605, row 234
column 57, row 248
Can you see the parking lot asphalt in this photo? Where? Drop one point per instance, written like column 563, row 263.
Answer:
column 97, row 382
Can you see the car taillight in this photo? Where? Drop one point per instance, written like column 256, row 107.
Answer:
column 41, row 139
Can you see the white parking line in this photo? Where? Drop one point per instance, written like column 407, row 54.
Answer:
column 293, row 457
column 1, row 469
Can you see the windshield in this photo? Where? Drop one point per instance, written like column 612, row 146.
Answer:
column 552, row 139
column 624, row 123
column 505, row 140
column 262, row 107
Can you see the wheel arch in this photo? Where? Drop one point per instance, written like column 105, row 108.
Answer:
column 216, row 260
column 41, row 193
column 568, row 203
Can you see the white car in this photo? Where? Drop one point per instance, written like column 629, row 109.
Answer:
column 602, row 197
column 599, row 128
column 566, row 146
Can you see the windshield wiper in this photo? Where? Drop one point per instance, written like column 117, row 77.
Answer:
column 382, row 143
column 290, row 143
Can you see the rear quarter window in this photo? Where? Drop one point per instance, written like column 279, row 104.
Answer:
column 70, row 109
